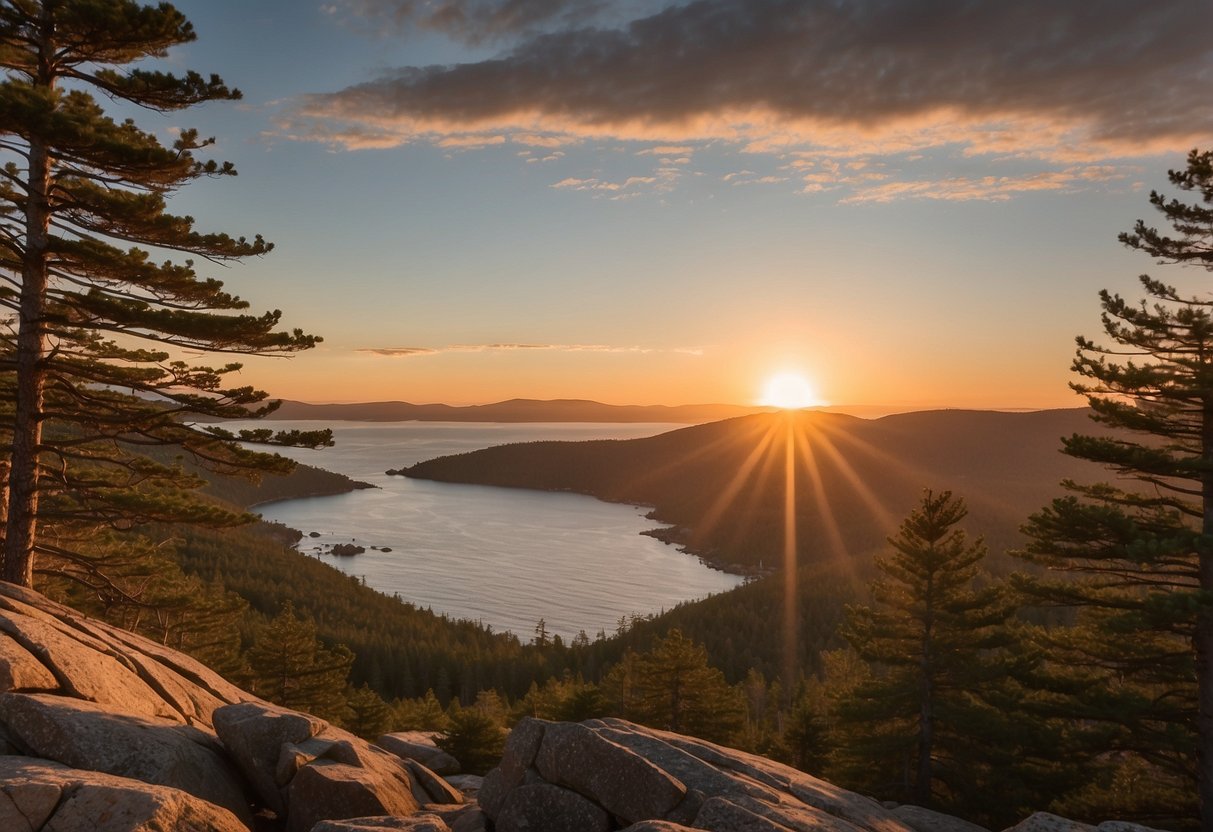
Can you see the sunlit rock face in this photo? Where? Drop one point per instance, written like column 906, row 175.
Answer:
column 644, row 779
column 104, row 730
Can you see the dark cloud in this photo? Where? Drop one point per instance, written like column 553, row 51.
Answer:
column 997, row 75
column 474, row 21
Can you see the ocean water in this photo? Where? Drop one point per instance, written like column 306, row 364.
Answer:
column 504, row 557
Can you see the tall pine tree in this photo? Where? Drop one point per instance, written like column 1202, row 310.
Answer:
column 83, row 219
column 912, row 730
column 1139, row 564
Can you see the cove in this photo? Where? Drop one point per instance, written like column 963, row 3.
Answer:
column 503, row 557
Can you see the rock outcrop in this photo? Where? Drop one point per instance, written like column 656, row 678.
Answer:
column 420, row 746
column 40, row 795
column 308, row 771
column 554, row 774
column 105, row 731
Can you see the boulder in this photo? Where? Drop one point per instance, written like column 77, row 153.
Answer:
column 307, row 771
column 473, row 820
column 254, row 734
column 616, row 778
column 384, row 823
column 83, row 671
column 467, row 784
column 435, row 788
column 37, row 795
column 520, row 749
column 640, row 775
column 47, row 647
column 420, row 746
column 551, row 809
column 723, row 815
column 331, row 790
column 928, row 820
column 85, row 735
column 19, row 670
column 1045, row 822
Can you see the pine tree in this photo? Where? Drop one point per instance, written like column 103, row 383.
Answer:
column 1139, row 564
column 292, row 668
column 475, row 739
column 368, row 715
column 672, row 686
column 912, row 730
column 82, row 211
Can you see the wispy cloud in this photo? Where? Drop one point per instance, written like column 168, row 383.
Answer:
column 989, row 188
column 470, row 142
column 413, row 352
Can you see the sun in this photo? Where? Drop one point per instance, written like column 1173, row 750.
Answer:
column 789, row 391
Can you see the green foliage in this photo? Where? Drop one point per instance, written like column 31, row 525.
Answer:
column 917, row 729
column 424, row 713
column 292, row 668
column 1138, row 564
column 91, row 366
column 130, row 581
column 475, row 738
column 671, row 686
column 564, row 699
column 367, row 715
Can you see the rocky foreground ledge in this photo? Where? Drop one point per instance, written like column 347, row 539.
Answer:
column 105, row 731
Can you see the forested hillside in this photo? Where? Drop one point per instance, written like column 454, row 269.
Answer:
column 722, row 485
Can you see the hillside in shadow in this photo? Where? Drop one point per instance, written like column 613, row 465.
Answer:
column 722, row 486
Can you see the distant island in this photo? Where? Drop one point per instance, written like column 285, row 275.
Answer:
column 514, row 410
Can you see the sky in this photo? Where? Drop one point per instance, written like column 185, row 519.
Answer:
column 908, row 202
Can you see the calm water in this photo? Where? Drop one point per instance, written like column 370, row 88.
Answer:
column 506, row 557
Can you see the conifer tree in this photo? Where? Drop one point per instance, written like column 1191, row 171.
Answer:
column 1139, row 564
column 92, row 361
column 292, row 668
column 910, row 727
column 368, row 715
column 672, row 686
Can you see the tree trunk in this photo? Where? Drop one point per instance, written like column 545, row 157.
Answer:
column 1204, row 637
column 926, row 706
column 21, row 526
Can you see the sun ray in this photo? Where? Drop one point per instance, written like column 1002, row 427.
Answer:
column 712, row 516
column 791, row 604
column 824, row 510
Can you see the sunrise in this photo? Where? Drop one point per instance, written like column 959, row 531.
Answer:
column 581, row 416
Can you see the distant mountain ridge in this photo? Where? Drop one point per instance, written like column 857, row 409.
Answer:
column 722, row 485
column 514, row 410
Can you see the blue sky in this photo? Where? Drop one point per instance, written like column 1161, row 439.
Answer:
column 911, row 202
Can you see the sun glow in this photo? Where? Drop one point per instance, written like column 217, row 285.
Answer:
column 789, row 391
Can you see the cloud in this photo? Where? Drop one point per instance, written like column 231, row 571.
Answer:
column 1079, row 79
column 470, row 142
column 667, row 150
column 400, row 352
column 990, row 188
column 599, row 185
column 477, row 21
column 412, row 352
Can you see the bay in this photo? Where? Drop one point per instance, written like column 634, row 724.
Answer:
column 503, row 557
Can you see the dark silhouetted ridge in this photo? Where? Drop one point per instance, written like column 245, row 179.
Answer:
column 722, row 485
